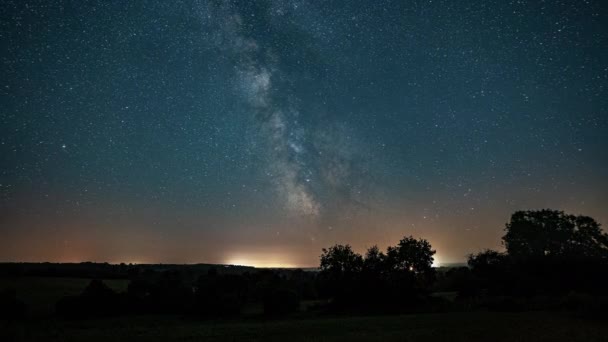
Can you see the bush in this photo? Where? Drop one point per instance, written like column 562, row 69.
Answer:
column 280, row 302
column 219, row 295
column 586, row 305
column 97, row 299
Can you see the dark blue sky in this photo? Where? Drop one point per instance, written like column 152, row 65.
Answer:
column 260, row 132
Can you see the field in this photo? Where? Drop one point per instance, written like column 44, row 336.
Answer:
column 479, row 326
column 41, row 293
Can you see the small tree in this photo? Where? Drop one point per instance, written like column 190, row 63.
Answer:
column 374, row 262
column 340, row 260
column 340, row 270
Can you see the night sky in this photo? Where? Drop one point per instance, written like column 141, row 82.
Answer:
column 260, row 132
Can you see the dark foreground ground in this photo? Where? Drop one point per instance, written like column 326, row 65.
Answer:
column 476, row 326
column 40, row 294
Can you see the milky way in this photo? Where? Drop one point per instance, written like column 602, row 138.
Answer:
column 279, row 124
column 260, row 132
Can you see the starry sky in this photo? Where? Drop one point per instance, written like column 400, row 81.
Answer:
column 260, row 132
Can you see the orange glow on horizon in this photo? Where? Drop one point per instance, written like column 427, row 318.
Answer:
column 261, row 260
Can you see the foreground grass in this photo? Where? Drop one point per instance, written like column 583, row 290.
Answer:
column 471, row 326
column 41, row 293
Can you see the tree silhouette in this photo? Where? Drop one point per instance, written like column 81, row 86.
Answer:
column 374, row 262
column 533, row 234
column 394, row 281
column 340, row 260
column 411, row 255
column 340, row 272
column 97, row 299
column 547, row 252
column 493, row 268
column 486, row 261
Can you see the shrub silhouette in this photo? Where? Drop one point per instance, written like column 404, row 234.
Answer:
column 220, row 295
column 97, row 289
column 97, row 299
column 280, row 302
column 463, row 281
column 170, row 293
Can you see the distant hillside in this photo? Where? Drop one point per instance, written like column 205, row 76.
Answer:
column 108, row 271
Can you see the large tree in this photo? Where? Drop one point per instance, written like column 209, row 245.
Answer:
column 411, row 255
column 553, row 233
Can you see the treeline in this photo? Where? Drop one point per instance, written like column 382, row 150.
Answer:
column 552, row 261
column 214, row 294
column 396, row 281
column 106, row 270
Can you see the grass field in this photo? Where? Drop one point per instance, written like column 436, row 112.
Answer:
column 41, row 293
column 477, row 326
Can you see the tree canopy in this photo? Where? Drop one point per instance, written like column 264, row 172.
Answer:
column 553, row 233
column 411, row 255
column 391, row 281
column 340, row 260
